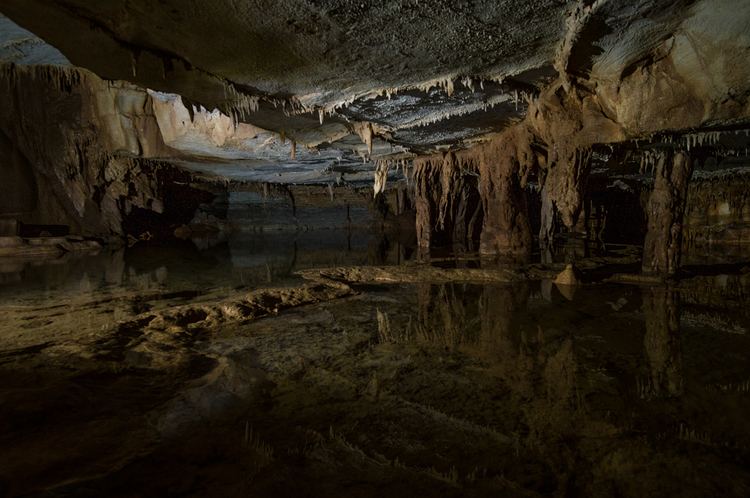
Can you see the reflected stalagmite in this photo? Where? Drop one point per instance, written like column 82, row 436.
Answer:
column 662, row 342
column 498, row 306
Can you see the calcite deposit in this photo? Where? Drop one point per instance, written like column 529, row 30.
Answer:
column 521, row 112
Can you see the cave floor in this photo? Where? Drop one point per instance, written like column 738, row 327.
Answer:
column 522, row 388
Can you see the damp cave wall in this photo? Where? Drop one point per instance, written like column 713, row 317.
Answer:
column 82, row 152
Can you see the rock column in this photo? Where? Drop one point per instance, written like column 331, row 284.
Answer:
column 506, row 231
column 448, row 210
column 665, row 210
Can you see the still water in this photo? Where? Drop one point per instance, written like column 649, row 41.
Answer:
column 529, row 389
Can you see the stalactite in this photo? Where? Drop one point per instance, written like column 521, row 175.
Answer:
column 381, row 177
column 574, row 25
column 468, row 82
column 448, row 208
column 648, row 162
column 457, row 111
column 556, row 120
column 703, row 138
column 365, row 132
column 446, row 84
column 426, row 177
column 477, row 195
column 134, row 64
column 563, row 188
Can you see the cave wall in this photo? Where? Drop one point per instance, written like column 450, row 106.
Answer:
column 18, row 192
column 717, row 217
column 623, row 71
column 81, row 148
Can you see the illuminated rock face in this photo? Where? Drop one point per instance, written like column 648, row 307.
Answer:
column 494, row 113
column 80, row 150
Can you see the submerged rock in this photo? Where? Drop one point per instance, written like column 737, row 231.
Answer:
column 569, row 276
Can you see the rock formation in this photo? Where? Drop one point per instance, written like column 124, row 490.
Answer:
column 498, row 137
column 447, row 202
column 666, row 207
column 83, row 153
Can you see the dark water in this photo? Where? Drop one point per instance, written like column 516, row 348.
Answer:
column 263, row 241
column 248, row 259
column 529, row 389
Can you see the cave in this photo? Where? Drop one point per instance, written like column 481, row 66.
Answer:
column 335, row 248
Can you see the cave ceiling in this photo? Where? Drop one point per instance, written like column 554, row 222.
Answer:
column 415, row 76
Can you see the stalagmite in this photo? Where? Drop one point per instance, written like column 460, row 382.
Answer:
column 506, row 231
column 567, row 276
column 662, row 248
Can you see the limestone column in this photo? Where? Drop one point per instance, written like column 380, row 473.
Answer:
column 426, row 178
column 506, row 231
column 448, row 211
column 563, row 190
column 665, row 210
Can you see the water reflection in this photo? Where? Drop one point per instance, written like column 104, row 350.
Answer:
column 568, row 349
column 448, row 390
column 662, row 342
column 243, row 259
